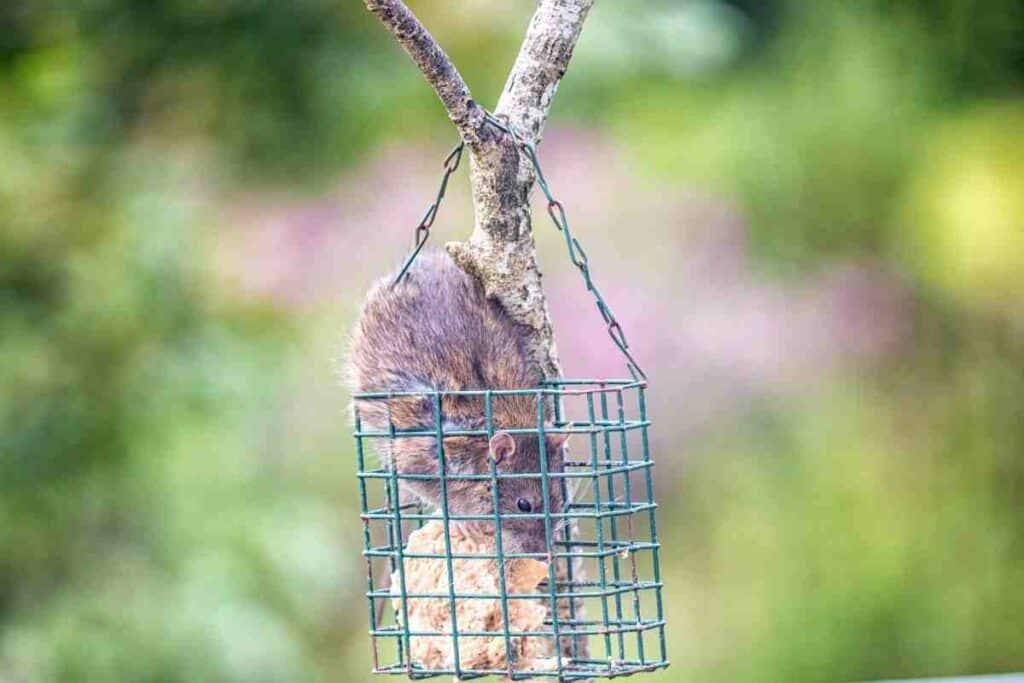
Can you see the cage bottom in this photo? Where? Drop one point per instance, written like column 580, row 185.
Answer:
column 576, row 670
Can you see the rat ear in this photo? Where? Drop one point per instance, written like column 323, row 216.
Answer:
column 557, row 440
column 502, row 446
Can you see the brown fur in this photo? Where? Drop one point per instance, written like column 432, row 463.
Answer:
column 436, row 330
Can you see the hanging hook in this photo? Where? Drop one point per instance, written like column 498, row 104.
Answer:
column 422, row 233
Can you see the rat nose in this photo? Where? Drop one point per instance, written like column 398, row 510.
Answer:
column 533, row 542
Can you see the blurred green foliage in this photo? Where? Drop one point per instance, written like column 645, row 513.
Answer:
column 165, row 516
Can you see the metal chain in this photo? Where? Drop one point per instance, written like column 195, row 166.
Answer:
column 576, row 253
column 557, row 212
column 451, row 163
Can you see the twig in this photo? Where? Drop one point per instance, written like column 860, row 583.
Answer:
column 435, row 64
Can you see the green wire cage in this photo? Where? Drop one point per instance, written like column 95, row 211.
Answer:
column 615, row 624
column 596, row 607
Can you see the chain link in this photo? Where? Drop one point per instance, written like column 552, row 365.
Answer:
column 422, row 234
column 556, row 210
column 558, row 216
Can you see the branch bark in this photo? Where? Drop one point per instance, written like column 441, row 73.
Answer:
column 501, row 251
column 542, row 61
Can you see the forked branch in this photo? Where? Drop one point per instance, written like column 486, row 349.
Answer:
column 500, row 252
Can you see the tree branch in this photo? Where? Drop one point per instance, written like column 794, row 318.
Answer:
column 500, row 252
column 435, row 64
column 542, row 61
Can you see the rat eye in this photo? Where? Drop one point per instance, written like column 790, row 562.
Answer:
column 524, row 505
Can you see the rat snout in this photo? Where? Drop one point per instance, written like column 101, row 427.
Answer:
column 526, row 537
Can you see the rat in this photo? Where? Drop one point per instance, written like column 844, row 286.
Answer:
column 436, row 330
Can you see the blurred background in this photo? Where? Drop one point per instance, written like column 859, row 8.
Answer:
column 808, row 215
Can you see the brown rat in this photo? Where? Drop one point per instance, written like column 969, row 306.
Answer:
column 437, row 330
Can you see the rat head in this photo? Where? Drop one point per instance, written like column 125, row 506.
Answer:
column 521, row 454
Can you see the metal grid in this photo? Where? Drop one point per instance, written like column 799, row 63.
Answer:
column 611, row 581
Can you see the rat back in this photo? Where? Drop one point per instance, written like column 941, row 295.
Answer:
column 437, row 330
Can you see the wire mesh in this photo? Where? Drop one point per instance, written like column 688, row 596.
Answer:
column 600, row 596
